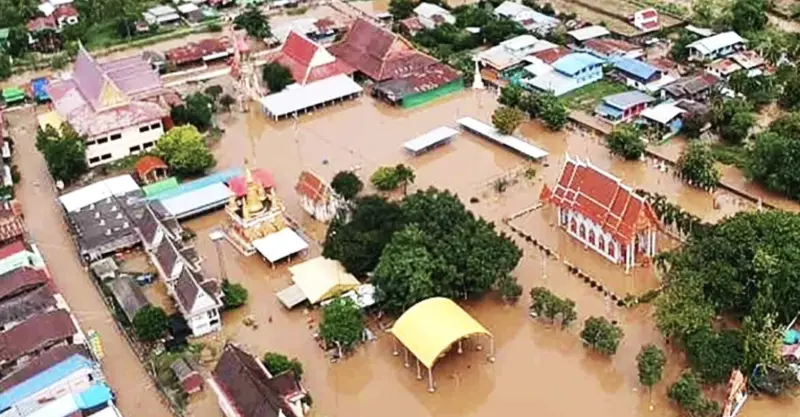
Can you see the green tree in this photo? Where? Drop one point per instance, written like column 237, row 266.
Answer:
column 713, row 354
column 213, row 91
column 468, row 15
column 347, row 184
column 404, row 275
column 150, row 323
column 748, row 15
column 342, row 323
column 733, row 120
column 277, row 364
column 277, row 77
column 64, row 152
column 358, row 238
column 789, row 98
column 253, row 21
column 185, row 151
column 234, row 295
column 602, row 335
column 226, row 101
column 650, row 361
column 678, row 51
column 552, row 111
column 688, row 393
column 696, row 165
column 626, row 141
column 499, row 29
column 694, row 123
column 507, row 119
column 198, row 111
column 760, row 90
column 389, row 178
column 511, row 95
column 546, row 304
column 509, row 289
column 401, row 9
column 405, row 176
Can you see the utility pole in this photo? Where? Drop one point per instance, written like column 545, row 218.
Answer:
column 217, row 236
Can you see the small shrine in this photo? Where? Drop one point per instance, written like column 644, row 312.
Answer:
column 254, row 210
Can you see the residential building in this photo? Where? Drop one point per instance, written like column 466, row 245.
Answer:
column 35, row 336
column 750, row 61
column 645, row 20
column 602, row 213
column 161, row 15
column 569, row 73
column 191, row 12
column 610, row 49
column 589, row 32
column 666, row 117
column 18, row 254
column 528, row 18
column 24, row 293
column 419, row 87
column 433, row 15
column 115, row 105
column 502, row 62
column 199, row 53
column 308, row 61
column 716, row 46
column 12, row 226
column 245, row 388
column 723, row 68
column 187, row 375
column 128, row 295
column 317, row 197
column 623, row 107
column 322, row 30
column 411, row 26
column 693, row 87
column 641, row 75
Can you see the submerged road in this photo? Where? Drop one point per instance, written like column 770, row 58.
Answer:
column 136, row 394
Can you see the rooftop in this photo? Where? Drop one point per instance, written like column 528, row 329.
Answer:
column 128, row 295
column 576, row 62
column 716, row 42
column 608, row 46
column 628, row 99
column 21, row 280
column 589, row 32
column 691, row 85
column 26, row 304
column 408, row 84
column 663, row 113
column 205, row 49
column 308, row 61
column 43, row 372
column 313, row 187
column 636, row 68
column 37, row 366
column 36, row 333
column 147, row 164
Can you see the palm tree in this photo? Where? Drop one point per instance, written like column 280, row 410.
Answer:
column 405, row 175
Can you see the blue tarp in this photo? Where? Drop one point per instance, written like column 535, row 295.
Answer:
column 576, row 62
column 218, row 177
column 44, row 379
column 39, row 87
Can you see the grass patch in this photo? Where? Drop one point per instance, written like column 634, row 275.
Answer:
column 729, row 155
column 587, row 97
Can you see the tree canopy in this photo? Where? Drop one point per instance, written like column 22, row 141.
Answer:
column 277, row 364
column 546, row 304
column 347, row 184
column 5, row 65
column 507, row 119
column 185, row 151
column 401, row 9
column 253, row 21
column 688, row 393
column 650, row 362
column 748, row 15
column 150, row 323
column 277, row 77
column 342, row 323
column 389, row 178
column 696, row 165
column 234, row 295
column 64, row 152
column 198, row 111
column 733, row 120
column 771, row 160
column 602, row 335
column 626, row 141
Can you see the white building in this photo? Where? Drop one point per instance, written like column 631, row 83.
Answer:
column 161, row 15
column 432, row 15
column 317, row 197
column 528, row 18
column 717, row 46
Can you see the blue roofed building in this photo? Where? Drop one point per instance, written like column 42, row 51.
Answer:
column 623, row 107
column 570, row 72
column 641, row 75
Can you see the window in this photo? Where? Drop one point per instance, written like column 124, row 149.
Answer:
column 155, row 126
column 144, row 129
column 134, row 149
column 106, row 157
column 90, row 143
column 101, row 141
column 213, row 322
column 213, row 313
column 147, row 145
column 94, row 160
column 116, row 136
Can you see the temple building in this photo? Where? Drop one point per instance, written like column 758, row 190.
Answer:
column 254, row 210
column 604, row 214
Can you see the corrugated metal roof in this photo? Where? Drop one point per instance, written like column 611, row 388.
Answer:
column 590, row 32
column 44, row 379
column 627, row 99
column 716, row 42
column 197, row 200
column 292, row 100
column 574, row 63
column 635, row 67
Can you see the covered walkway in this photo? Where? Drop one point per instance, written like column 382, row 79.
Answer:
column 430, row 328
column 489, row 132
column 197, row 196
column 297, row 99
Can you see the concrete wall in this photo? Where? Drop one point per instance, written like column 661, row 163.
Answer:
column 110, row 147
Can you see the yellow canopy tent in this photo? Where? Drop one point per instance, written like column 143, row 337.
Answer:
column 431, row 326
column 50, row 119
column 321, row 278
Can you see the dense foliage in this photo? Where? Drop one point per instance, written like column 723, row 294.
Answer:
column 545, row 106
column 626, row 141
column 347, row 184
column 688, row 393
column 64, row 152
column 234, row 295
column 760, row 90
column 276, row 76
column 771, row 161
column 748, row 15
column 546, row 304
column 696, row 165
column 733, row 120
column 694, row 123
column 389, row 178
column 254, row 22
column 150, row 323
column 342, row 323
column 277, row 364
column 602, row 335
column 507, row 119
column 198, row 111
column 185, row 151
column 650, row 363
column 5, row 65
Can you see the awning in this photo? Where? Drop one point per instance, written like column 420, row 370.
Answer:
column 489, row 132
column 429, row 328
column 291, row 296
column 197, row 201
column 321, row 279
column 298, row 98
column 429, row 139
column 279, row 245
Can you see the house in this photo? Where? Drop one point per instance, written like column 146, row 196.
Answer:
column 645, row 20
column 589, row 32
column 411, row 26
column 187, row 375
column 24, row 293
column 665, row 117
column 693, row 87
column 551, row 55
column 723, row 68
column 751, row 61
column 433, row 15
column 308, row 61
column 245, row 388
column 65, row 15
column 113, row 104
column 18, row 254
column 381, row 55
column 602, row 213
column 569, row 73
column 641, row 75
column 528, row 18
column 199, row 53
column 610, row 49
column 128, row 295
column 12, row 226
column 161, row 15
column 317, row 197
column 62, row 370
column 150, row 169
column 623, row 107
column 716, row 46
column 501, row 62
column 35, row 336
column 191, row 12
column 322, row 30
column 419, row 87
column 665, row 65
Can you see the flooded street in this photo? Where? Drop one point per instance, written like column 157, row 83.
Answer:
column 539, row 369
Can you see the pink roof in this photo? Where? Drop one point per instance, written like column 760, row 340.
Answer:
column 261, row 176
column 42, row 23
column 12, row 249
column 299, row 54
column 601, row 197
column 650, row 25
column 65, row 11
column 549, row 56
column 649, row 14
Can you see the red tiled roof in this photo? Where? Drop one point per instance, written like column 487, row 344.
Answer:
column 11, row 249
column 650, row 25
column 549, row 56
column 65, row 11
column 195, row 51
column 607, row 46
column 601, row 197
column 21, row 280
column 308, row 61
column 261, row 176
column 11, row 224
column 378, row 53
column 42, row 23
column 41, row 364
column 311, row 186
column 649, row 14
column 36, row 333
column 412, row 24
column 148, row 163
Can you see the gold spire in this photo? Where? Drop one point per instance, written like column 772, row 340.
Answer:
column 255, row 194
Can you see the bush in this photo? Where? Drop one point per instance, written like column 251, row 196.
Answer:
column 198, row 111
column 389, row 178
column 277, row 77
column 696, row 165
column 64, row 152
column 507, row 119
column 150, row 323
column 347, row 184
column 626, row 141
column 602, row 335
column 233, row 295
column 688, row 393
column 342, row 324
column 185, row 151
column 546, row 304
column 509, row 289
column 277, row 364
